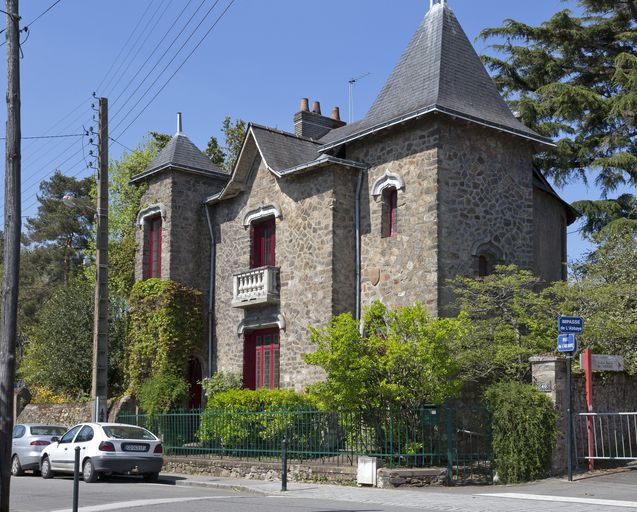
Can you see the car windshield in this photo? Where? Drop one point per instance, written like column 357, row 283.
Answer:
column 47, row 431
column 128, row 432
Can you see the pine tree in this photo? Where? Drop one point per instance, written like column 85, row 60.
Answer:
column 574, row 79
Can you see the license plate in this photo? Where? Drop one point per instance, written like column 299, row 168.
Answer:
column 131, row 447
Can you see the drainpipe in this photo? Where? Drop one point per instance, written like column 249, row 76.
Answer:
column 211, row 287
column 359, row 186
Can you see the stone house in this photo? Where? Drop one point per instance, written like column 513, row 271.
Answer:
column 437, row 180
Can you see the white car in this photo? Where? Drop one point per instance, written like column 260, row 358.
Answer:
column 105, row 448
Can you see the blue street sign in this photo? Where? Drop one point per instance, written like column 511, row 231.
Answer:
column 570, row 324
column 566, row 343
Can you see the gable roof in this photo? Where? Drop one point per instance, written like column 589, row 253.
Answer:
column 439, row 71
column 180, row 153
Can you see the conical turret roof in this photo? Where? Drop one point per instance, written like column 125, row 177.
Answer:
column 181, row 153
column 439, row 71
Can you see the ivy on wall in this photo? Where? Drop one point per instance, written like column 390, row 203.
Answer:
column 166, row 323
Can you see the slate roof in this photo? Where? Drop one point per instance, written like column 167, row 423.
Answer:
column 439, row 71
column 282, row 150
column 181, row 153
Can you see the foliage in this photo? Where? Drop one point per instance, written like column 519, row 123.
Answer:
column 42, row 395
column 59, row 352
column 575, row 78
column 244, row 419
column 511, row 320
column 166, row 320
column 234, row 135
column 401, row 361
column 161, row 392
column 220, row 382
column 604, row 293
column 524, row 431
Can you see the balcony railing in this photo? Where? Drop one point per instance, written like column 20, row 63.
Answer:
column 257, row 286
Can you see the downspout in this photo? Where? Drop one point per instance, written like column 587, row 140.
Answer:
column 211, row 288
column 359, row 186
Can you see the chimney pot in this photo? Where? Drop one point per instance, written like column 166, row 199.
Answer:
column 179, row 125
column 316, row 107
column 305, row 105
column 336, row 114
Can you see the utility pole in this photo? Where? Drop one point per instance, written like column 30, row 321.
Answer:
column 12, row 228
column 99, row 385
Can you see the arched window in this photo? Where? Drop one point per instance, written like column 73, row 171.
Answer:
column 486, row 255
column 390, row 211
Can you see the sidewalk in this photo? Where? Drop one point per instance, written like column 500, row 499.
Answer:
column 598, row 491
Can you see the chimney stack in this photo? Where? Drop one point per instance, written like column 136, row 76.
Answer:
column 314, row 125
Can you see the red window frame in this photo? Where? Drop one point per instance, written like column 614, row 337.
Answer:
column 154, row 247
column 392, row 203
column 261, row 359
column 263, row 243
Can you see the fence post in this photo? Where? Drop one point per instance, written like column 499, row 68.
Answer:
column 284, row 465
column 76, row 479
column 449, row 429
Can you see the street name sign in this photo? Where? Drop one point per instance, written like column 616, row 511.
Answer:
column 570, row 324
column 601, row 363
column 566, row 343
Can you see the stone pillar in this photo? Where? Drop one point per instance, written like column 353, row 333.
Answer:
column 549, row 376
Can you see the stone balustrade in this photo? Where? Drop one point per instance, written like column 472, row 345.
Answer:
column 258, row 286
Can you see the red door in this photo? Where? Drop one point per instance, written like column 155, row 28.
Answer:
column 261, row 357
column 263, row 243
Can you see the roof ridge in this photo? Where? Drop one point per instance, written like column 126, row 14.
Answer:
column 287, row 134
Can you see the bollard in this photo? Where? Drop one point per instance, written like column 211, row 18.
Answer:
column 284, row 464
column 76, row 479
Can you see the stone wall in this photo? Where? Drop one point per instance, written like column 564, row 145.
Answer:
column 56, row 414
column 401, row 269
column 485, row 200
column 612, row 392
column 549, row 227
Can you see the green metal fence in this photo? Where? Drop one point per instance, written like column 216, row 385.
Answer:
column 452, row 437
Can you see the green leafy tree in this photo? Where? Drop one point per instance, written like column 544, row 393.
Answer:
column 574, row 78
column 401, row 361
column 234, row 135
column 511, row 320
column 59, row 352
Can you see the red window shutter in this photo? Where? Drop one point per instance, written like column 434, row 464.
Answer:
column 249, row 360
column 263, row 237
column 393, row 206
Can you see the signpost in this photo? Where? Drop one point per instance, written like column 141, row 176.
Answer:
column 568, row 327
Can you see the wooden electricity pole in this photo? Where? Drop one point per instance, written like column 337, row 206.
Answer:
column 12, row 227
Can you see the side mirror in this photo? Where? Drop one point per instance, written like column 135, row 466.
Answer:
column 55, row 439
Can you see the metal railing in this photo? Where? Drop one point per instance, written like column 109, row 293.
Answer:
column 432, row 436
column 605, row 435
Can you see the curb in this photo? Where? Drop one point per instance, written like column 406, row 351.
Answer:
column 221, row 485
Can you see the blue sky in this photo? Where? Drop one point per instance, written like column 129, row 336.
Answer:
column 258, row 61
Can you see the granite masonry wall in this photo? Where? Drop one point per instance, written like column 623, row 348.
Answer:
column 485, row 200
column 304, row 254
column 401, row 269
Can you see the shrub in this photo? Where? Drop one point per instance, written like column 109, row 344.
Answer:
column 240, row 421
column 524, row 426
column 162, row 392
column 220, row 382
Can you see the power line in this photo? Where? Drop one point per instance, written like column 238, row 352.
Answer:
column 177, row 70
column 50, row 136
column 43, row 13
column 118, row 142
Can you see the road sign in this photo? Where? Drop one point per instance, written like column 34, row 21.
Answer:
column 570, row 324
column 566, row 343
column 600, row 363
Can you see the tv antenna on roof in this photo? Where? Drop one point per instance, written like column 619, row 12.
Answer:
column 351, row 83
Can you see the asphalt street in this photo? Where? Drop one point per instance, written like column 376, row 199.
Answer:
column 602, row 492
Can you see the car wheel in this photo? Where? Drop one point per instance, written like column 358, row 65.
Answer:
column 46, row 470
column 88, row 472
column 16, row 467
column 150, row 477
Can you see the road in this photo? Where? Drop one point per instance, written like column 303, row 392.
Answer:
column 607, row 493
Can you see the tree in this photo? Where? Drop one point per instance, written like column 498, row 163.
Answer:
column 511, row 320
column 59, row 351
column 234, row 135
column 401, row 361
column 574, row 78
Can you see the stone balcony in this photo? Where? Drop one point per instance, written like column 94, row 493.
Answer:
column 255, row 287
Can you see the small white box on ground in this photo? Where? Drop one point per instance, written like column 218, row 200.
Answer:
column 366, row 474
